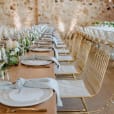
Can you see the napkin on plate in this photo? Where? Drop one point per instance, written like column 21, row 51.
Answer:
column 54, row 40
column 47, row 83
column 55, row 53
column 42, row 58
column 56, row 62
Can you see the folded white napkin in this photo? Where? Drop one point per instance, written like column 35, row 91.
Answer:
column 55, row 53
column 54, row 40
column 56, row 62
column 47, row 83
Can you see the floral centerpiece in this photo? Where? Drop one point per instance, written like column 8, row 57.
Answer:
column 12, row 52
column 3, row 61
column 25, row 44
column 27, row 38
column 9, row 54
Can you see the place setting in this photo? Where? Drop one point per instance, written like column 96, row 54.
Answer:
column 35, row 60
column 28, row 92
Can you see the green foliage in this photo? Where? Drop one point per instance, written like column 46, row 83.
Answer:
column 108, row 23
column 13, row 57
column 13, row 60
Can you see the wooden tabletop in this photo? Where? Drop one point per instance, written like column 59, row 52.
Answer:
column 33, row 72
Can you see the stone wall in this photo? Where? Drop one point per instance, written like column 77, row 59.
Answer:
column 64, row 14
column 18, row 13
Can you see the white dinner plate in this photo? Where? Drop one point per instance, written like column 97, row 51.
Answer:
column 35, row 62
column 41, row 49
column 27, row 96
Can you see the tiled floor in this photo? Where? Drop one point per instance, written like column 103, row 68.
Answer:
column 102, row 100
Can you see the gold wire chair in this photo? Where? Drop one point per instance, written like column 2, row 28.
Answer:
column 74, row 69
column 76, row 45
column 83, row 54
column 93, row 76
column 68, row 37
column 68, row 57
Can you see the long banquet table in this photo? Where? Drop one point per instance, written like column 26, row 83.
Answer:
column 104, row 28
column 33, row 72
column 103, row 34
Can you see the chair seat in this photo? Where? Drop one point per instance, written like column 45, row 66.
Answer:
column 65, row 58
column 59, row 40
column 61, row 46
column 63, row 51
column 60, row 43
column 65, row 70
column 72, row 88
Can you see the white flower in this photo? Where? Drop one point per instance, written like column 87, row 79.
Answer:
column 12, row 53
column 9, row 44
column 4, row 55
column 15, row 44
column 16, row 50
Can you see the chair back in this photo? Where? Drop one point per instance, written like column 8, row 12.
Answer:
column 77, row 38
column 73, row 35
column 69, row 38
column 66, row 37
column 83, row 53
column 95, row 69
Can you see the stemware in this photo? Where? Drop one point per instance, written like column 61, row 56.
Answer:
column 4, row 75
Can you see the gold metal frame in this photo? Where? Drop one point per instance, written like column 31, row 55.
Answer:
column 84, row 110
column 65, row 76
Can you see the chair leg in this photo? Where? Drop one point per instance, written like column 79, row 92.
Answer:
column 74, row 76
column 84, row 110
column 84, row 104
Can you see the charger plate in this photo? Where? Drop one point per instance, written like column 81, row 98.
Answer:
column 27, row 96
